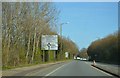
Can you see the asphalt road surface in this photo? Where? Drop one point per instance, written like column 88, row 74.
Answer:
column 72, row 68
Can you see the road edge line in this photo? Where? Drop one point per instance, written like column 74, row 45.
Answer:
column 105, row 71
column 99, row 70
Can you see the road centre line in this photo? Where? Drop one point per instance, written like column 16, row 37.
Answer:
column 56, row 70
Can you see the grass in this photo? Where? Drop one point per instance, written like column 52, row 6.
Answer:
column 27, row 65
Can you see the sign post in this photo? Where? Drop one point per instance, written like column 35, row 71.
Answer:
column 43, row 56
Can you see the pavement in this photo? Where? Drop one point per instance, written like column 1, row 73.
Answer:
column 67, row 69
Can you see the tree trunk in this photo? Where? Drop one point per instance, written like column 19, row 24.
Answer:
column 28, row 49
column 34, row 46
column 37, row 45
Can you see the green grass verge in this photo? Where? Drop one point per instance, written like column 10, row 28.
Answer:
column 27, row 65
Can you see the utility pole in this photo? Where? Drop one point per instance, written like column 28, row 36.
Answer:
column 61, row 38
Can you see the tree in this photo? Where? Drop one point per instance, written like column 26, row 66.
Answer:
column 105, row 49
column 83, row 53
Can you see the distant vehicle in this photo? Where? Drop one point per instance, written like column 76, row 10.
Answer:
column 83, row 59
column 76, row 58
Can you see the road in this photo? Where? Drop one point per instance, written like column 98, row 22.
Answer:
column 72, row 68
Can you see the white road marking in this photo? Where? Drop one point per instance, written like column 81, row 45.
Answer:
column 102, row 71
column 99, row 70
column 55, row 70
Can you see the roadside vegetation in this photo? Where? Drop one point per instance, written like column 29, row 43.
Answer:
column 22, row 26
column 105, row 49
column 83, row 53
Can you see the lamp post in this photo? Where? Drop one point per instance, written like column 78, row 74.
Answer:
column 61, row 36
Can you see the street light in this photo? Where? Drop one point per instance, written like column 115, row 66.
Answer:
column 61, row 34
column 61, row 27
column 65, row 23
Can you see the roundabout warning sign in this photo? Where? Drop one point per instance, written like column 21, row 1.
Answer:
column 49, row 42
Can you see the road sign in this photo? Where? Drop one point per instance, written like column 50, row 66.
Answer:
column 66, row 54
column 49, row 42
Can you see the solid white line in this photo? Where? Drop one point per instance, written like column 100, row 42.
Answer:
column 55, row 70
column 99, row 70
column 102, row 71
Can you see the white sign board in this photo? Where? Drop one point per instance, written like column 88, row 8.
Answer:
column 49, row 42
column 66, row 54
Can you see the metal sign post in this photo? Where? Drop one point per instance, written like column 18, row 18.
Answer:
column 43, row 55
column 54, row 55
